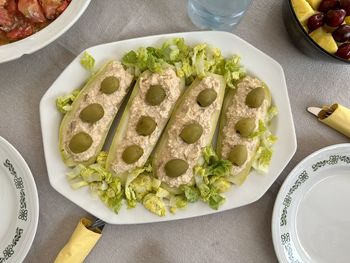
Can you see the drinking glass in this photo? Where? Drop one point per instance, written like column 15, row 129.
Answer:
column 217, row 14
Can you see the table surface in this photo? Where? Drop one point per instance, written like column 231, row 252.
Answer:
column 239, row 235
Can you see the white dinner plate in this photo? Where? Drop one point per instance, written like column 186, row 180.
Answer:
column 45, row 36
column 257, row 64
column 19, row 205
column 311, row 217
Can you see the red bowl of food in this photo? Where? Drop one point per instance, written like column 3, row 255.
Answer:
column 320, row 28
column 28, row 25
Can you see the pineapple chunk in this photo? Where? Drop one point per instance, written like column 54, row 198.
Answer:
column 347, row 20
column 324, row 40
column 315, row 3
column 303, row 10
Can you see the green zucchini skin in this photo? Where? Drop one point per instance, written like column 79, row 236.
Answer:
column 135, row 108
column 90, row 93
column 170, row 141
column 231, row 96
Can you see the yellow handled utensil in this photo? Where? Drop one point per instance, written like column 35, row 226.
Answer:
column 82, row 241
column 335, row 116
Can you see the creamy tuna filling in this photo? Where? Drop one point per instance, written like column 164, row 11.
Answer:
column 161, row 113
column 175, row 147
column 236, row 111
column 110, row 104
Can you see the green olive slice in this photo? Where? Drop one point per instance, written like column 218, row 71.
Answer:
column 110, row 85
column 238, row 155
column 255, row 98
column 80, row 142
column 92, row 113
column 206, row 97
column 191, row 132
column 245, row 126
column 155, row 95
column 132, row 153
column 175, row 167
column 145, row 126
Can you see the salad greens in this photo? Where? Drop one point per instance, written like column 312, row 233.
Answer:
column 210, row 176
column 264, row 153
column 189, row 61
column 64, row 103
column 87, row 61
column 101, row 182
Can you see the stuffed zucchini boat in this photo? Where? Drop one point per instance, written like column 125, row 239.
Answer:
column 84, row 128
column 244, row 113
column 144, row 119
column 190, row 129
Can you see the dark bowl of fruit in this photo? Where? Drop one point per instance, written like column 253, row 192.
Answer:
column 320, row 28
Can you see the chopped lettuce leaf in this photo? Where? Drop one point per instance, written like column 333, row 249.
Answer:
column 210, row 178
column 130, row 190
column 219, row 168
column 271, row 113
column 220, row 184
column 232, row 71
column 154, row 204
column 215, row 201
column 87, row 61
column 177, row 201
column 142, row 59
column 262, row 160
column 260, row 131
column 162, row 193
column 64, row 103
column 101, row 182
column 191, row 193
column 213, row 165
column 264, row 153
column 189, row 61
column 142, row 185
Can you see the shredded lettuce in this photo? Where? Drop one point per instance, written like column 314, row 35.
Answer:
column 87, row 61
column 64, row 103
column 143, row 59
column 154, row 204
column 177, row 201
column 271, row 113
column 210, row 178
column 101, row 182
column 263, row 158
column 189, row 61
column 260, row 131
column 191, row 193
column 134, row 190
column 264, row 153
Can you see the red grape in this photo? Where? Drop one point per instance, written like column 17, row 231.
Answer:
column 345, row 4
column 335, row 18
column 344, row 51
column 342, row 33
column 315, row 21
column 327, row 5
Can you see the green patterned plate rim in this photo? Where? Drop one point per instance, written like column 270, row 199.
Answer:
column 311, row 216
column 19, row 205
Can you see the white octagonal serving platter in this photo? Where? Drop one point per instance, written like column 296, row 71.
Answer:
column 257, row 64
